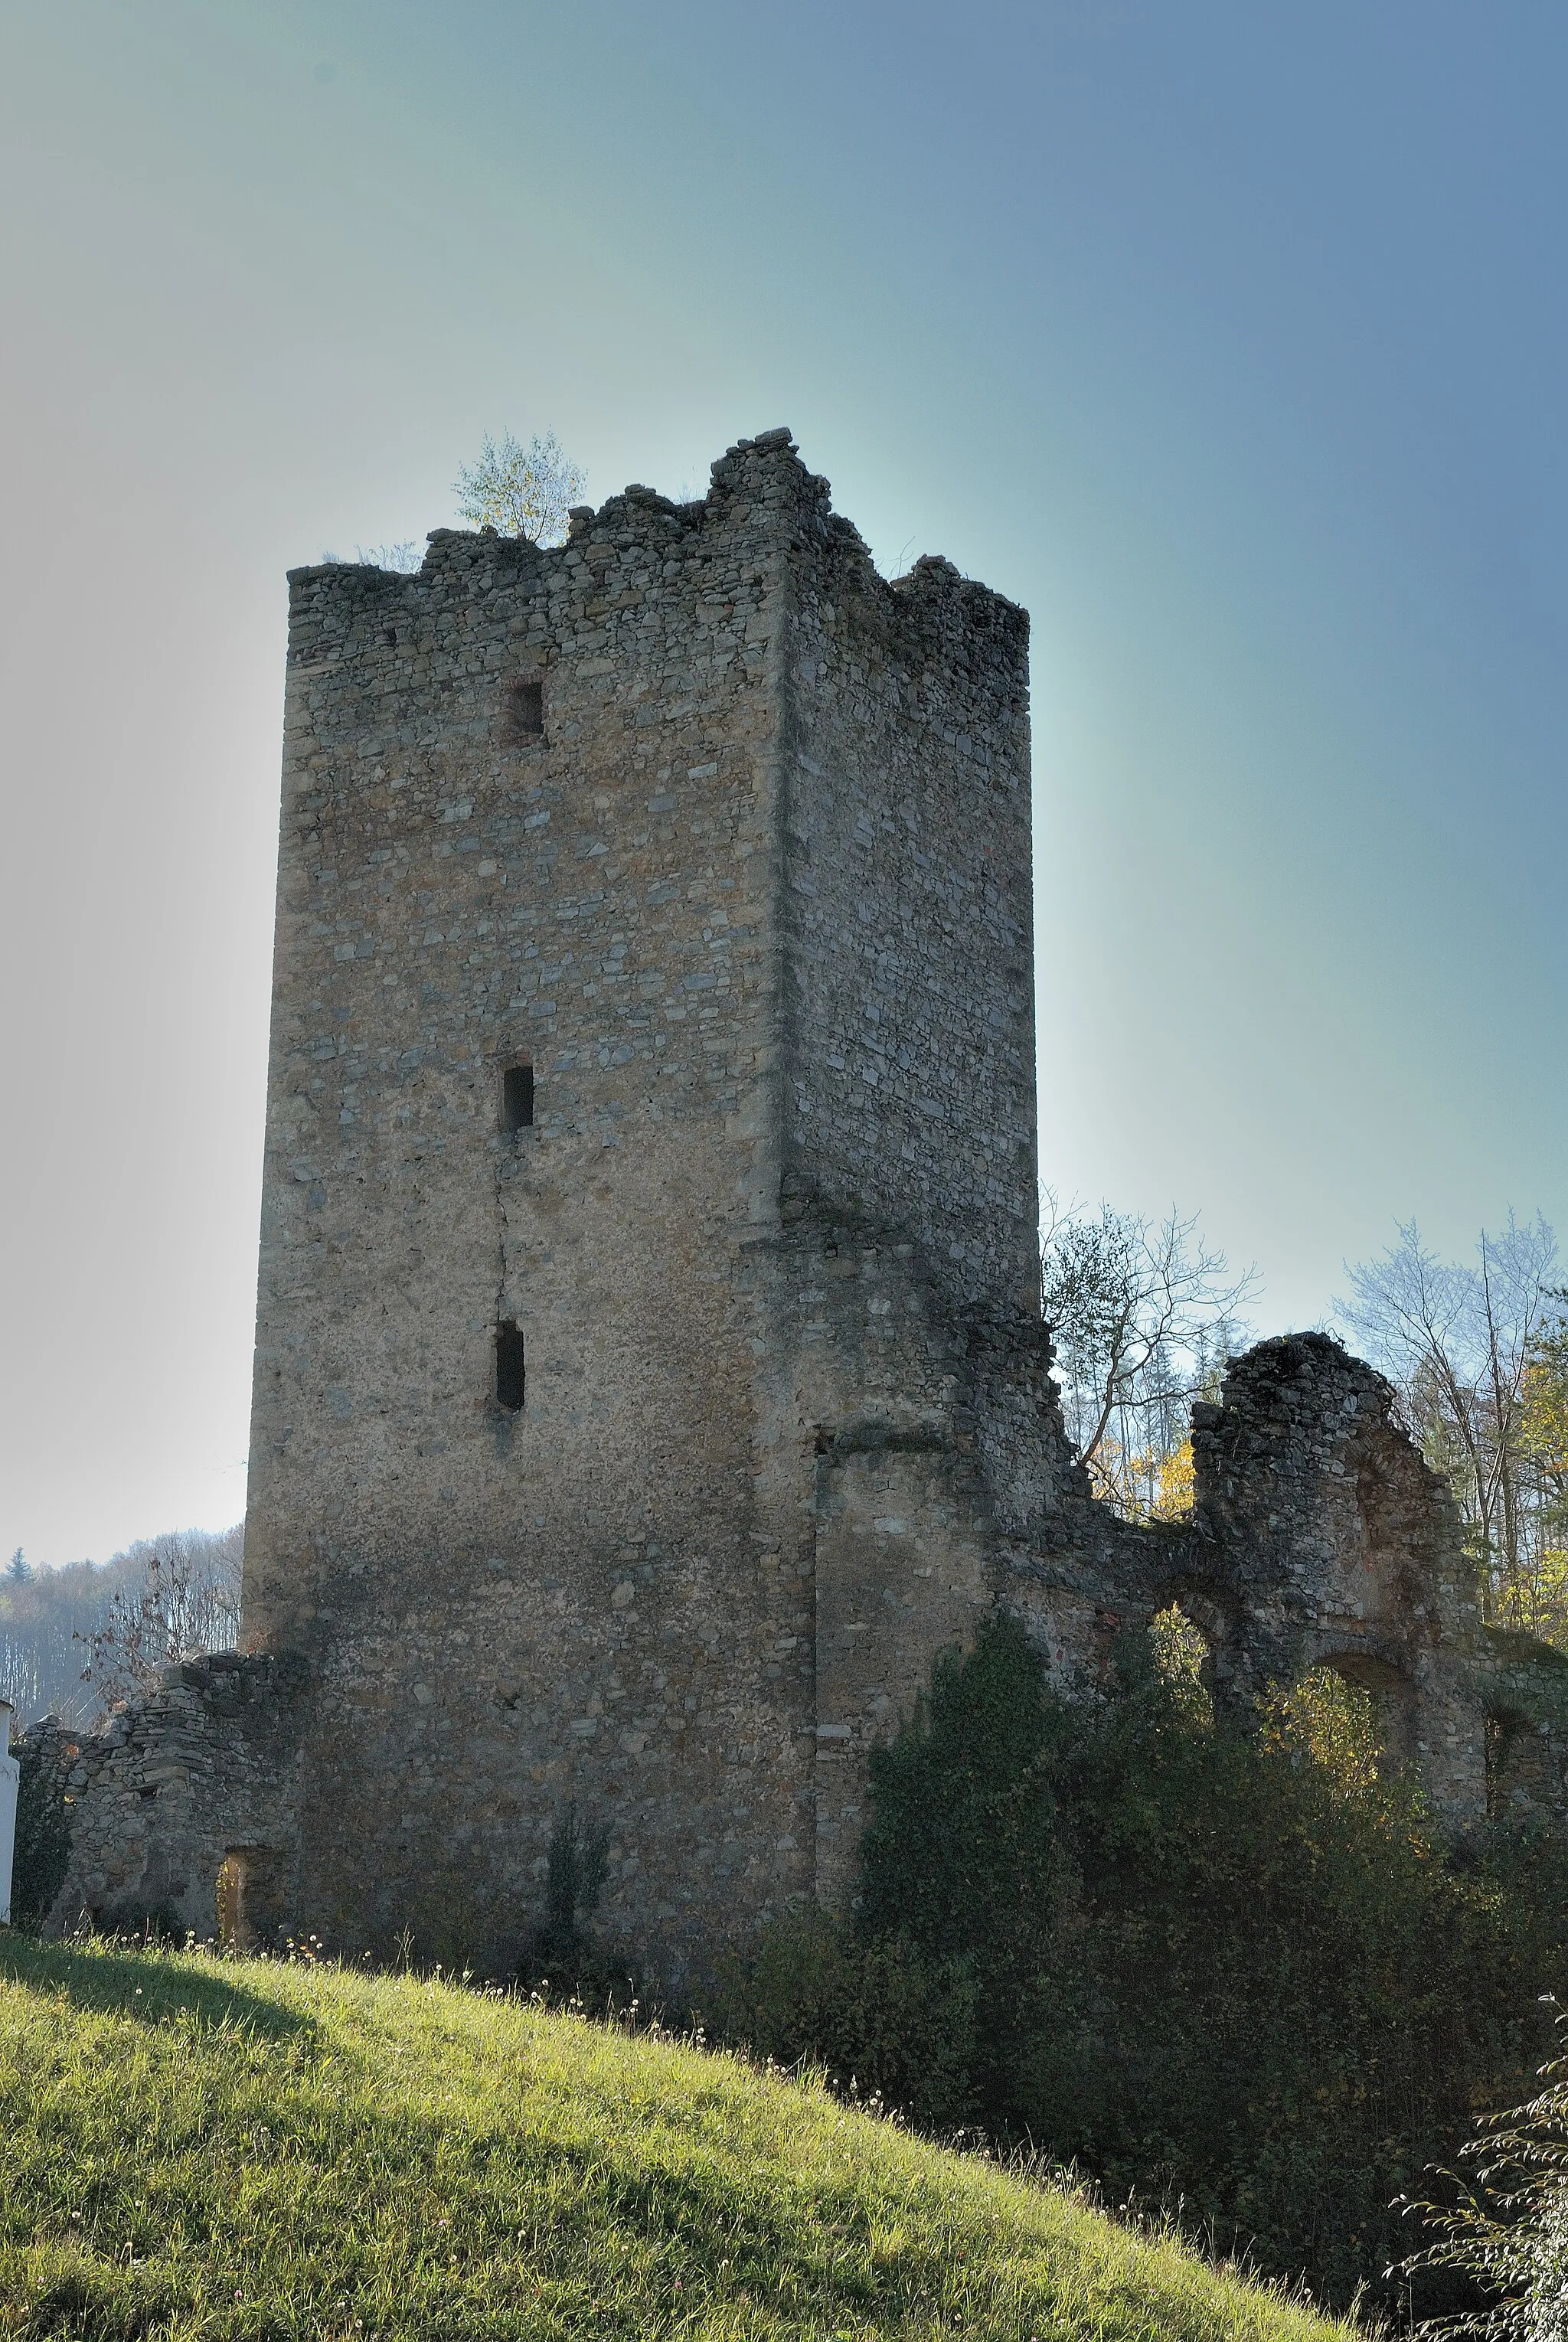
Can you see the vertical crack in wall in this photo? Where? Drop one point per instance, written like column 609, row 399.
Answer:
column 497, row 1143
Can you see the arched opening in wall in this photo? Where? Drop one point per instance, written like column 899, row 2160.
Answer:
column 1183, row 1656
column 1353, row 1714
column 248, row 1885
column 1518, row 1774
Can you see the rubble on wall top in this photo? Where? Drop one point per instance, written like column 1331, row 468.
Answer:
column 741, row 489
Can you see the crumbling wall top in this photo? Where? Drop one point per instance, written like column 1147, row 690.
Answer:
column 758, row 485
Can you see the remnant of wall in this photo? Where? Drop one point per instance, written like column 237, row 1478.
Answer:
column 45, row 1754
column 1320, row 1538
column 200, row 1772
column 1341, row 1550
column 650, row 1379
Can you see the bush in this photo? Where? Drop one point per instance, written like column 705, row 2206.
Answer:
column 1222, row 1969
column 1508, row 2229
column 869, row 2009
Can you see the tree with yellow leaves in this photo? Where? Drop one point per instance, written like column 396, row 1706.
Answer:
column 520, row 491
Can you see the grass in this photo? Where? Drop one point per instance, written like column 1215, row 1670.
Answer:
column 194, row 2148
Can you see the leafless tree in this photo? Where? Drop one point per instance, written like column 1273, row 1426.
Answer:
column 18, row 1677
column 1458, row 1340
column 184, row 1599
column 43, row 1616
column 406, row 558
column 1143, row 1315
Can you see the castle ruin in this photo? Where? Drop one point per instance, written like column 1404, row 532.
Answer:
column 650, row 1378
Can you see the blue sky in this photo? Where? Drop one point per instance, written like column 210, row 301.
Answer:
column 1230, row 340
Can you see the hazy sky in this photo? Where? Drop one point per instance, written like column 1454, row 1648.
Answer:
column 1229, row 339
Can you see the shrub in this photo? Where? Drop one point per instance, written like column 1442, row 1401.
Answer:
column 1508, row 2229
column 870, row 2009
column 1228, row 1969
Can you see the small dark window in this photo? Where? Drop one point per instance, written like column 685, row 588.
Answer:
column 522, row 713
column 509, row 1368
column 517, row 1097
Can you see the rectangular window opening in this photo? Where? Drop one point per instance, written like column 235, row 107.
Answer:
column 510, row 1377
column 517, row 1097
column 522, row 713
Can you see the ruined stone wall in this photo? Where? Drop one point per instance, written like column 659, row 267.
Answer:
column 1341, row 1550
column 164, row 1792
column 1519, row 1687
column 872, row 1401
column 1319, row 1539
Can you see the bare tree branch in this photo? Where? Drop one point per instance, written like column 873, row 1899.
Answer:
column 185, row 1601
column 1141, row 1312
column 1459, row 1343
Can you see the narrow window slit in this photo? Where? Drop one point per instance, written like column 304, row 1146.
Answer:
column 510, row 1376
column 522, row 713
column 517, row 1097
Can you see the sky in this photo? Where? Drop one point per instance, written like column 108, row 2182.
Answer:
column 1230, row 340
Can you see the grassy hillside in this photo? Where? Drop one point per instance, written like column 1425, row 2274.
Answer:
column 224, row 2150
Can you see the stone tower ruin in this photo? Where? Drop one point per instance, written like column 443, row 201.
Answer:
column 651, row 1144
column 650, row 1379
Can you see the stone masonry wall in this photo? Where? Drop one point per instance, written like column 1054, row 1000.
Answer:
column 510, row 1612
column 910, row 1007
column 164, row 1791
column 1342, row 1549
column 607, row 1599
column 1319, row 1538
column 876, row 1398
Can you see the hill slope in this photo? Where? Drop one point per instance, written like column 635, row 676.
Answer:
column 242, row 2149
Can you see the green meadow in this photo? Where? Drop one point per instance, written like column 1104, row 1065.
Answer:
column 219, row 2149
